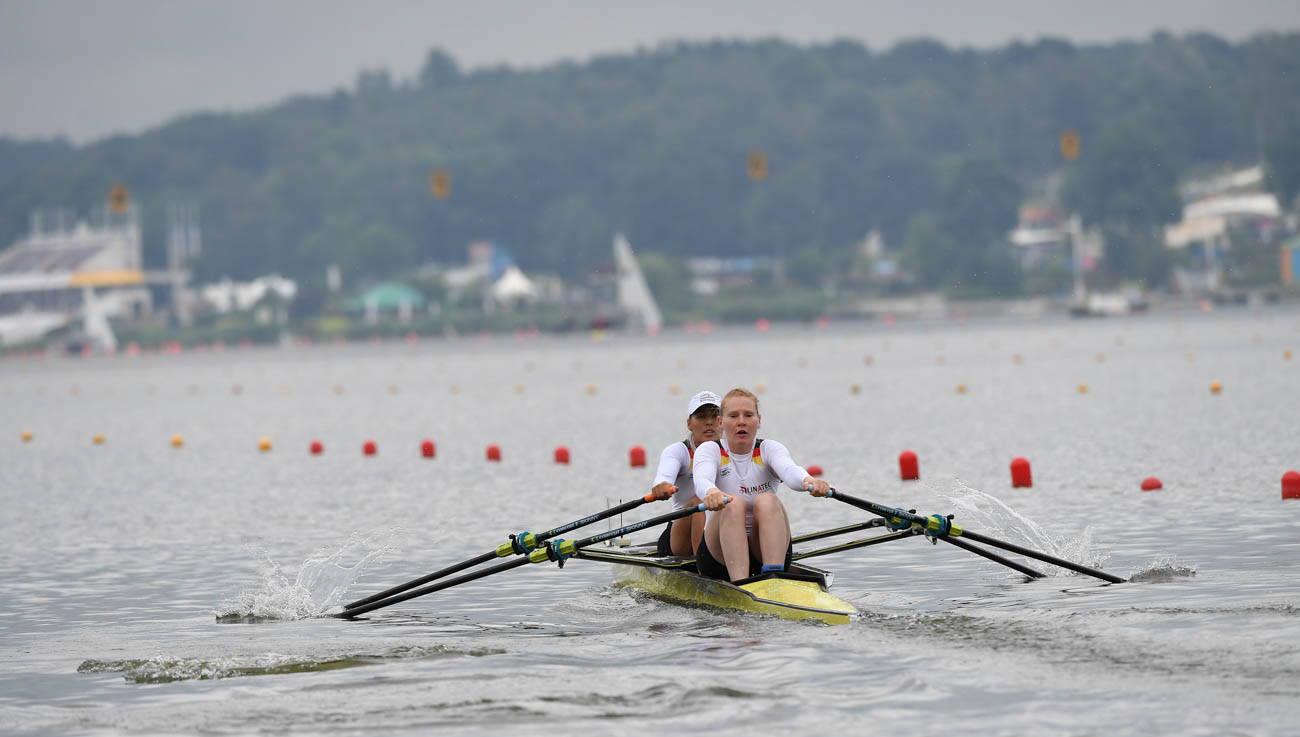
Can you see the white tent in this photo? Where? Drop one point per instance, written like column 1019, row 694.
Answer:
column 512, row 286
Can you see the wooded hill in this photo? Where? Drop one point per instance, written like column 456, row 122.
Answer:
column 935, row 146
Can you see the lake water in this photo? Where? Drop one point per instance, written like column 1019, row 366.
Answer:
column 116, row 558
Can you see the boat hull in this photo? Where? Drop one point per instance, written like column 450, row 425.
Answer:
column 788, row 597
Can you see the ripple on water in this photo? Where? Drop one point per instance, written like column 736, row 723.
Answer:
column 163, row 669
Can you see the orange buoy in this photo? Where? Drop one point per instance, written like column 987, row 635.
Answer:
column 1291, row 485
column 428, row 449
column 1215, row 387
column 494, row 453
column 961, row 388
column 855, row 388
column 369, row 448
column 815, row 471
column 636, row 456
column 317, row 448
column 177, row 441
column 98, row 439
column 1020, row 474
column 264, row 444
column 561, row 454
column 27, row 436
column 1151, row 483
column 908, row 467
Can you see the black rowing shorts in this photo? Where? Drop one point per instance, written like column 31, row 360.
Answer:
column 710, row 567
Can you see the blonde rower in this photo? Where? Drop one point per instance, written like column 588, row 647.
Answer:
column 743, row 540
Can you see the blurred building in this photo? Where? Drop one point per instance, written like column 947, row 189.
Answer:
column 66, row 269
column 1216, row 211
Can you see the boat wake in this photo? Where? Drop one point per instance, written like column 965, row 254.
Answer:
column 987, row 514
column 163, row 669
column 319, row 586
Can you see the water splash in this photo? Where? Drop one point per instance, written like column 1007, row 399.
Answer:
column 987, row 514
column 1163, row 570
column 319, row 586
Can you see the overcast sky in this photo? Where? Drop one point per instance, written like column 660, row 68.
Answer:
column 85, row 69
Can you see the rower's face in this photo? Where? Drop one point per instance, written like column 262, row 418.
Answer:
column 740, row 422
column 704, row 424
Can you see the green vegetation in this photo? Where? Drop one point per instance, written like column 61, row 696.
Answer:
column 932, row 146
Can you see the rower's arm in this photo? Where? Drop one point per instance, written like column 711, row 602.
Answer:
column 777, row 457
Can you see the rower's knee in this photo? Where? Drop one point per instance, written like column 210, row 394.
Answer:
column 769, row 506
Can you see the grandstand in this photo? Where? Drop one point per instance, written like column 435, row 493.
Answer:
column 48, row 277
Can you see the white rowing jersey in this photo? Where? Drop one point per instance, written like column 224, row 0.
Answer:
column 675, row 468
column 746, row 476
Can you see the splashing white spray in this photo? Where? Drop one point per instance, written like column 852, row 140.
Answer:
column 320, row 584
column 994, row 518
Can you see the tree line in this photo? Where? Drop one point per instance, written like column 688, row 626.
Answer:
column 933, row 146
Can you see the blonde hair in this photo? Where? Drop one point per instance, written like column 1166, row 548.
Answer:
column 739, row 392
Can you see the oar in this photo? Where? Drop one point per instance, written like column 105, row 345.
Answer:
column 519, row 544
column 877, row 522
column 991, row 556
column 557, row 551
column 940, row 526
column 864, row 542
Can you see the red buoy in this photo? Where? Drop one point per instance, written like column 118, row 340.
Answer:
column 317, row 448
column 369, row 448
column 1291, row 485
column 1020, row 475
column 908, row 467
column 1151, row 483
column 494, row 453
column 815, row 471
column 763, row 324
column 428, row 449
column 636, row 456
column 561, row 454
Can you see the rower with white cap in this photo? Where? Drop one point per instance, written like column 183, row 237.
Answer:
column 674, row 479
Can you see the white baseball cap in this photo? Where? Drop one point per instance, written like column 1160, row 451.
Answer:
column 701, row 399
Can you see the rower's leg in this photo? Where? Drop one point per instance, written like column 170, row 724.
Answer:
column 686, row 533
column 771, row 533
column 725, row 535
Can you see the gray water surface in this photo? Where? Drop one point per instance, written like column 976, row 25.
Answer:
column 117, row 558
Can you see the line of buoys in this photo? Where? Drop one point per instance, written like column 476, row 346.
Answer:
column 636, row 456
column 316, row 447
column 908, row 467
column 369, row 448
column 561, row 454
column 815, row 471
column 1151, row 483
column 428, row 449
column 1020, row 473
column 264, row 444
column 494, row 453
column 1291, row 485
